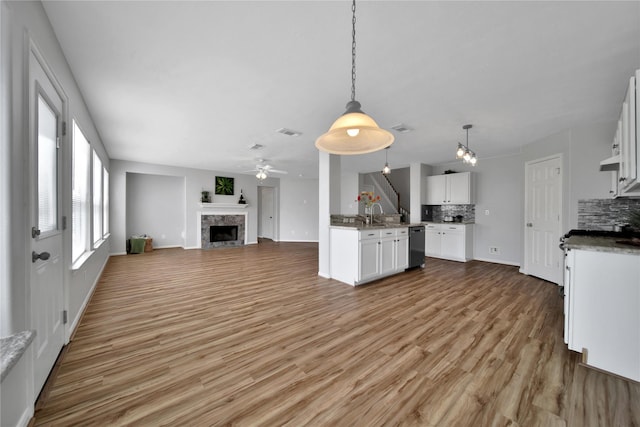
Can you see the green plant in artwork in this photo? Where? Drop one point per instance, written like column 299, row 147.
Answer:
column 224, row 186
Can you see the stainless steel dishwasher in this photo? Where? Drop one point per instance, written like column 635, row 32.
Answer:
column 416, row 246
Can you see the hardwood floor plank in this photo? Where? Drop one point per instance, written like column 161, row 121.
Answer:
column 252, row 336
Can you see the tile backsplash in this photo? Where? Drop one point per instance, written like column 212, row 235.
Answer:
column 468, row 212
column 604, row 214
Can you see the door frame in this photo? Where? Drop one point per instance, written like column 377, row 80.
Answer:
column 560, row 157
column 31, row 48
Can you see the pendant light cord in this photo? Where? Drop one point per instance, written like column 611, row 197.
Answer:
column 353, row 52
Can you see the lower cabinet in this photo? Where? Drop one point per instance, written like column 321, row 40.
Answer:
column 449, row 241
column 602, row 310
column 360, row 256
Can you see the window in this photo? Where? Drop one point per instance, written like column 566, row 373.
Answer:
column 105, row 201
column 97, row 198
column 80, row 194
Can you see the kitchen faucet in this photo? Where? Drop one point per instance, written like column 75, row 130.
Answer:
column 371, row 209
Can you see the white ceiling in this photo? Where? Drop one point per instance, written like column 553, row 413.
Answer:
column 194, row 84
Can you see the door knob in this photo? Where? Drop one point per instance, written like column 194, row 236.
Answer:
column 529, row 224
column 36, row 256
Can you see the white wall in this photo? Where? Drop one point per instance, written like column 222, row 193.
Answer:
column 23, row 22
column 298, row 210
column 156, row 207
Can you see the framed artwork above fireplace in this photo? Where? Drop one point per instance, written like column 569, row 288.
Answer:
column 224, row 186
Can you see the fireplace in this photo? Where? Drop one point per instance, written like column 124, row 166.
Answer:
column 223, row 233
column 221, row 230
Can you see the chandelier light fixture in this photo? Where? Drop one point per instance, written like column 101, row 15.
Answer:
column 354, row 132
column 463, row 152
column 386, row 170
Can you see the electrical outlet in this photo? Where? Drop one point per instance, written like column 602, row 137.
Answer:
column 494, row 250
column 486, row 211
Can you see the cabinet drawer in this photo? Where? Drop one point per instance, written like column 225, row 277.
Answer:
column 459, row 227
column 432, row 226
column 387, row 232
column 369, row 234
column 402, row 232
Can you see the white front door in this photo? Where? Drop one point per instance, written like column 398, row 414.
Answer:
column 266, row 212
column 543, row 204
column 46, row 106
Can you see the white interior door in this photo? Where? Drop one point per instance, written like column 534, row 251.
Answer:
column 266, row 212
column 543, row 188
column 46, row 255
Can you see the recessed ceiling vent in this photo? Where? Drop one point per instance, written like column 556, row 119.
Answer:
column 288, row 132
column 402, row 128
column 256, row 147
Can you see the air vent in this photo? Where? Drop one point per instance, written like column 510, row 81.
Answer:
column 288, row 132
column 256, row 147
column 402, row 128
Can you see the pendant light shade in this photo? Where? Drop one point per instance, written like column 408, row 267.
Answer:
column 354, row 132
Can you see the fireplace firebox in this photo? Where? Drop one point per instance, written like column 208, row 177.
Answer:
column 223, row 233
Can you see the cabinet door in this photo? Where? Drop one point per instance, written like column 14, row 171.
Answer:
column 436, row 185
column 452, row 245
column 432, row 242
column 402, row 253
column 459, row 188
column 369, row 259
column 387, row 255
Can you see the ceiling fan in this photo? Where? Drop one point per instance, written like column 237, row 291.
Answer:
column 262, row 170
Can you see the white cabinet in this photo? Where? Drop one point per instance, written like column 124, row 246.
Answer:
column 626, row 145
column 449, row 189
column 360, row 256
column 449, row 241
column 602, row 310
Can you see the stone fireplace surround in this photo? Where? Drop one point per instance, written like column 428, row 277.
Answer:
column 221, row 214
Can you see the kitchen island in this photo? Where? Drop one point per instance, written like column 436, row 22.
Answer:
column 363, row 253
column 602, row 303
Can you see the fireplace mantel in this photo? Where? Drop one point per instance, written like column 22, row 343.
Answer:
column 217, row 206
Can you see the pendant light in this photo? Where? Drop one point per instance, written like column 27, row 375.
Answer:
column 354, row 132
column 463, row 152
column 386, row 170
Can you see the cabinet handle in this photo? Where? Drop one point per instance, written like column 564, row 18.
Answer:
column 623, row 179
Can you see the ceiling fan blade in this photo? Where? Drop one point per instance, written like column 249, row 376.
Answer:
column 278, row 171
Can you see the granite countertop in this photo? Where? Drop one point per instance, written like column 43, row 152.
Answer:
column 449, row 222
column 352, row 226
column 12, row 348
column 602, row 244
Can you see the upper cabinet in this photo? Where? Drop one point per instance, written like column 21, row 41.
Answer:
column 449, row 189
column 625, row 162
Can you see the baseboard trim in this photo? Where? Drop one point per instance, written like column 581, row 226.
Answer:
column 85, row 303
column 499, row 261
column 299, row 241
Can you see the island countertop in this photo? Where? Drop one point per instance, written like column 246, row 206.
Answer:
column 353, row 226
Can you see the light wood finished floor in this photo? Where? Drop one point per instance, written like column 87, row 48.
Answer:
column 252, row 336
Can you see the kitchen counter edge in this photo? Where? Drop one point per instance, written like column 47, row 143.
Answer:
column 601, row 244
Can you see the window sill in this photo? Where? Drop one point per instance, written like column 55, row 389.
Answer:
column 97, row 244
column 81, row 259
